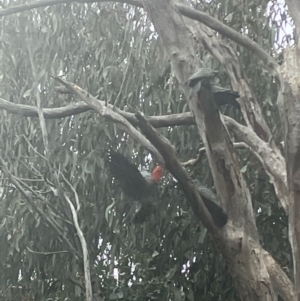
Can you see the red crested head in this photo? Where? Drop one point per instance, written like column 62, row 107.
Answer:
column 157, row 173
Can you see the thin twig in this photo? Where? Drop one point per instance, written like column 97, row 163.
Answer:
column 194, row 161
column 86, row 261
column 73, row 190
column 46, row 253
column 34, row 150
column 46, row 217
column 39, row 104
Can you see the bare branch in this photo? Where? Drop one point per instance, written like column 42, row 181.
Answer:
column 230, row 33
column 46, row 253
column 194, row 161
column 39, row 105
column 82, row 107
column 204, row 18
column 28, row 6
column 113, row 115
column 44, row 3
column 85, row 253
column 176, row 169
column 73, row 190
column 254, row 283
column 271, row 159
column 201, row 152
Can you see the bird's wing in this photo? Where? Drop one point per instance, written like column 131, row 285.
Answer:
column 131, row 181
column 210, row 200
column 224, row 96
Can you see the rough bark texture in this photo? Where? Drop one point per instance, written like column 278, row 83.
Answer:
column 239, row 240
column 281, row 282
column 289, row 104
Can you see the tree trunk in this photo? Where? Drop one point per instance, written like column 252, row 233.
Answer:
column 238, row 242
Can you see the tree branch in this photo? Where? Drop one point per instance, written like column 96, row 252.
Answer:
column 39, row 105
column 85, row 253
column 271, row 159
column 191, row 13
column 113, row 115
column 229, row 59
column 44, row 3
column 230, row 33
column 177, row 170
column 194, row 161
column 82, row 107
column 46, row 253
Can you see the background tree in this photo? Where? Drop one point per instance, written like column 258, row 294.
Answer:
column 61, row 221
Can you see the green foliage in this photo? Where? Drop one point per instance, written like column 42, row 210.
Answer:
column 111, row 51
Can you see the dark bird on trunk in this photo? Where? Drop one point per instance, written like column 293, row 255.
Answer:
column 225, row 96
column 222, row 96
